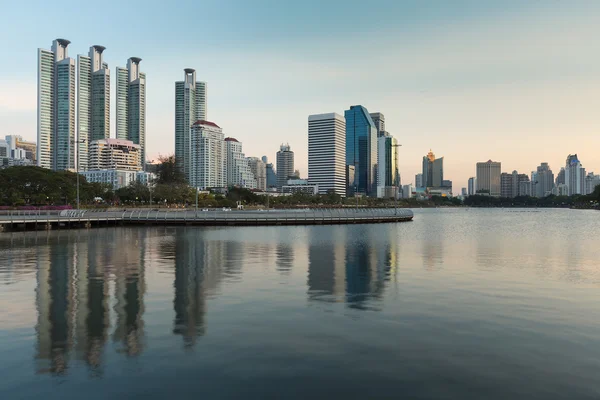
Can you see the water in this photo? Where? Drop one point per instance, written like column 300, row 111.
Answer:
column 465, row 304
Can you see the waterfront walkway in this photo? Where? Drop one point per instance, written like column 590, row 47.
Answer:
column 33, row 220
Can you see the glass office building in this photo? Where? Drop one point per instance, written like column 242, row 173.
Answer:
column 361, row 149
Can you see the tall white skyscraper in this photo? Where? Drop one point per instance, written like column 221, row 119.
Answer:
column 190, row 106
column 56, row 107
column 285, row 165
column 131, row 105
column 238, row 170
column 93, row 102
column 207, row 156
column 574, row 175
column 326, row 153
column 259, row 170
column 388, row 176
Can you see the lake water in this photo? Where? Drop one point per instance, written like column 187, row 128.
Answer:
column 467, row 304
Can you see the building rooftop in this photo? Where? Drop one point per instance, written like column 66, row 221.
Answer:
column 99, row 48
column 230, row 139
column 204, row 122
column 189, row 70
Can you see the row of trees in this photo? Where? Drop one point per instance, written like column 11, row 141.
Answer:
column 21, row 186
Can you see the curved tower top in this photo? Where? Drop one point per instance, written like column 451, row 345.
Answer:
column 99, row 48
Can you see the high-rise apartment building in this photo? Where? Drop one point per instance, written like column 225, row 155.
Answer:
column 327, row 152
column 56, row 107
column 16, row 142
column 190, row 106
column 114, row 154
column 361, row 149
column 543, row 181
column 419, row 181
column 259, row 170
column 506, row 185
column 591, row 181
column 433, row 171
column 131, row 105
column 488, row 177
column 207, row 153
column 379, row 121
column 560, row 178
column 388, row 176
column 93, row 102
column 472, row 186
column 574, row 175
column 285, row 165
column 238, row 172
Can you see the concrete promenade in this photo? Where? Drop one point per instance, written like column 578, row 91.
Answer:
column 37, row 220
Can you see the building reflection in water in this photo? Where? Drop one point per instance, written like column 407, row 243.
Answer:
column 72, row 296
column 199, row 268
column 350, row 266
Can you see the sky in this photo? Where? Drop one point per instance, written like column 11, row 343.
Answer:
column 512, row 81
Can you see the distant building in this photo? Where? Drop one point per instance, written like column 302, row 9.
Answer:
column 327, row 152
column 488, row 178
column 506, row 185
column 361, row 149
column 591, row 181
column 118, row 178
column 238, row 171
column 407, row 191
column 285, row 165
column 131, row 105
column 350, row 180
column 472, row 186
column 560, row 178
column 574, row 175
column 208, row 168
column 271, row 176
column 419, row 181
column 525, row 188
column 190, row 106
column 446, row 183
column 379, row 122
column 108, row 154
column 433, row 171
column 16, row 142
column 259, row 170
column 560, row 190
column 388, row 176
column 542, row 181
column 464, row 192
column 300, row 186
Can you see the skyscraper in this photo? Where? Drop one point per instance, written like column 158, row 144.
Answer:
column 327, row 152
column 131, row 105
column 388, row 176
column 472, row 187
column 93, row 101
column 379, row 121
column 259, row 170
column 190, row 106
column 56, row 107
column 506, row 185
column 285, row 165
column 433, row 171
column 361, row 148
column 543, row 182
column 574, row 175
column 419, row 181
column 207, row 154
column 488, row 177
column 236, row 165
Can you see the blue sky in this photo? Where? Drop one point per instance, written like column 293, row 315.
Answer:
column 512, row 81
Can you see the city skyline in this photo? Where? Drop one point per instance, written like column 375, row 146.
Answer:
column 484, row 91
